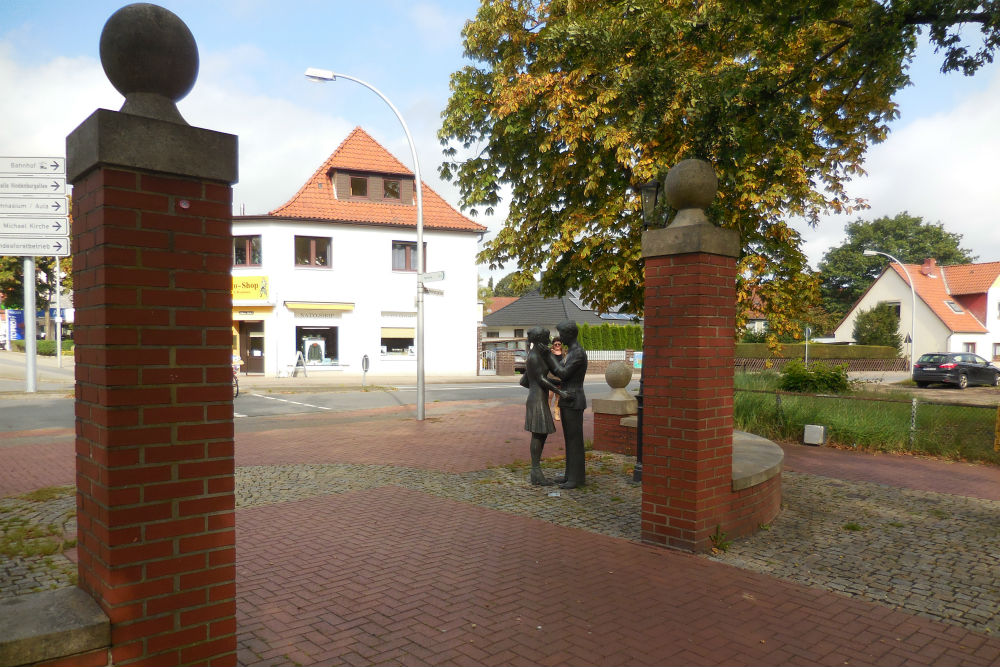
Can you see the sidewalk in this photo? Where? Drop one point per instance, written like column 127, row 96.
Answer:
column 371, row 538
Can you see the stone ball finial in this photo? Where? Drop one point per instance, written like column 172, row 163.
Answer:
column 690, row 187
column 618, row 375
column 151, row 58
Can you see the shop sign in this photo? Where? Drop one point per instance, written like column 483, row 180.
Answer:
column 251, row 288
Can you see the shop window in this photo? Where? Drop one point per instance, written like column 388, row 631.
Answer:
column 246, row 250
column 398, row 341
column 312, row 251
column 359, row 186
column 318, row 345
column 404, row 256
column 390, row 189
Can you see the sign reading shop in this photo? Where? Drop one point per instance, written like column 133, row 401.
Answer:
column 252, row 288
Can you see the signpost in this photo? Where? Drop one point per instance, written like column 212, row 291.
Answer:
column 33, row 223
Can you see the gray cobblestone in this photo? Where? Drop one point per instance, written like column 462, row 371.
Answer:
column 936, row 555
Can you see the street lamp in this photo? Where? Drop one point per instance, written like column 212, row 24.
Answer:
column 913, row 298
column 323, row 75
column 649, row 194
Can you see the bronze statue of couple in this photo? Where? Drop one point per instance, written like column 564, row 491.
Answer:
column 567, row 382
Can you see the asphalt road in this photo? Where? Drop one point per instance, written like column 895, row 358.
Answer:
column 56, row 411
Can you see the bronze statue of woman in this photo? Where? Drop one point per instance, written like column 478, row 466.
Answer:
column 537, row 415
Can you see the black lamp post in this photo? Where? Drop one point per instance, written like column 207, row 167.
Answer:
column 649, row 193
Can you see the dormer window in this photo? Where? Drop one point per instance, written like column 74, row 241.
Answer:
column 359, row 186
column 390, row 189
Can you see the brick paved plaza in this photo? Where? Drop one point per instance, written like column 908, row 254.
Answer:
column 371, row 538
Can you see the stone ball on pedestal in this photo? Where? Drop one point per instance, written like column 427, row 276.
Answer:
column 690, row 184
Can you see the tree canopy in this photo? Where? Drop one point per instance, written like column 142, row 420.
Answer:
column 847, row 273
column 573, row 103
column 515, row 284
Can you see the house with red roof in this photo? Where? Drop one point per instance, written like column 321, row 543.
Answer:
column 957, row 307
column 329, row 277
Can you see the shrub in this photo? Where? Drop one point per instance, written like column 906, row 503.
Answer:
column 817, row 378
column 878, row 326
column 44, row 348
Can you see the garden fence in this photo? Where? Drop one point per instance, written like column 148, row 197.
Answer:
column 955, row 430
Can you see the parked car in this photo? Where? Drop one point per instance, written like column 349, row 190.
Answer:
column 957, row 368
column 520, row 358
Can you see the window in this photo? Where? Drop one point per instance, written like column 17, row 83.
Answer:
column 398, row 340
column 518, row 333
column 312, row 251
column 246, row 250
column 390, row 189
column 954, row 306
column 359, row 186
column 894, row 305
column 969, row 347
column 404, row 256
column 492, row 334
column 318, row 345
column 996, row 350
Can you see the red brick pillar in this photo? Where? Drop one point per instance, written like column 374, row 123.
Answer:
column 152, row 252
column 690, row 308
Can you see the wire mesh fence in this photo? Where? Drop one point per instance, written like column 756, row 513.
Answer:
column 954, row 430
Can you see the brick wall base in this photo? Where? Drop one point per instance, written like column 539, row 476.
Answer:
column 611, row 436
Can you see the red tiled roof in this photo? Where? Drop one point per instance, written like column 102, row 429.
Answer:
column 498, row 302
column 971, row 278
column 315, row 200
column 934, row 292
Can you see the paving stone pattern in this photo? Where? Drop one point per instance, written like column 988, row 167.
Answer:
column 362, row 550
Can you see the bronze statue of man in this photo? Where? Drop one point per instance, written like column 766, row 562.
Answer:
column 572, row 371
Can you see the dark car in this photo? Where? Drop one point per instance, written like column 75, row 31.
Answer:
column 520, row 358
column 957, row 368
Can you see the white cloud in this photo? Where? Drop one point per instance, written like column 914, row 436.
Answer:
column 941, row 167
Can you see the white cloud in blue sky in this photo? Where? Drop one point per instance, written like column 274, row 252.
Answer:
column 938, row 161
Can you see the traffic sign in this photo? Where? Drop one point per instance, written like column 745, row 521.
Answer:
column 33, row 206
column 34, row 246
column 431, row 277
column 32, row 185
column 32, row 165
column 34, row 226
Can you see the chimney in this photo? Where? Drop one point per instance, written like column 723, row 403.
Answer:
column 929, row 268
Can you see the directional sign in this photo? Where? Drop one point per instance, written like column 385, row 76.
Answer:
column 33, row 206
column 34, row 226
column 33, row 165
column 32, row 185
column 36, row 246
column 431, row 277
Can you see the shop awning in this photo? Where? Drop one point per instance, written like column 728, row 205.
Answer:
column 398, row 332
column 318, row 305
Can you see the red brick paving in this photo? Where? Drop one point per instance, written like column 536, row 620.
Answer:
column 901, row 470
column 393, row 576
column 454, row 438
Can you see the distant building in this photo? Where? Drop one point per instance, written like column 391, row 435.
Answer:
column 958, row 307
column 505, row 328
column 330, row 276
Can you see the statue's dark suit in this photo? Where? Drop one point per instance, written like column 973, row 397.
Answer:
column 572, row 370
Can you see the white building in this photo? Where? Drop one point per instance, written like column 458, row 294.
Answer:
column 957, row 307
column 330, row 276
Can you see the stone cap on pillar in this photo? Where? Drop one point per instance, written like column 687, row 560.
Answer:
column 690, row 187
column 618, row 401
column 151, row 58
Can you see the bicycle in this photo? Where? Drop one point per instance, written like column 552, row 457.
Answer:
column 236, row 381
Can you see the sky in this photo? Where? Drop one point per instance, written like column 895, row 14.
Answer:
column 939, row 161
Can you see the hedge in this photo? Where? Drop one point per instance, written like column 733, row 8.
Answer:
column 816, row 351
column 44, row 348
column 610, row 336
